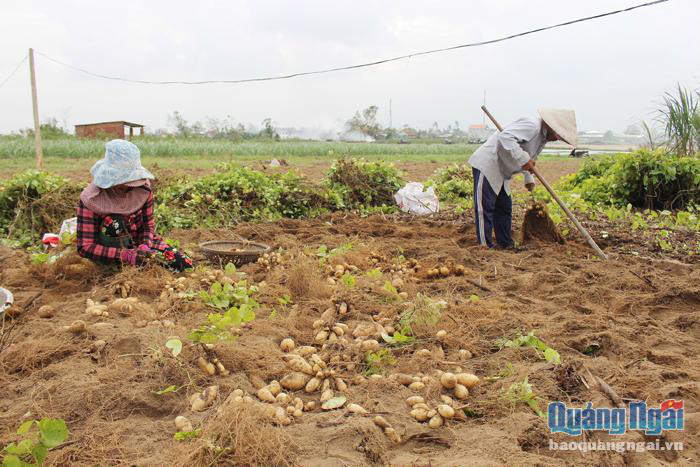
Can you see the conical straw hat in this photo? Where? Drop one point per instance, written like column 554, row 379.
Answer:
column 562, row 121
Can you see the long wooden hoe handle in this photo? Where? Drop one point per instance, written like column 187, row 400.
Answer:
column 570, row 214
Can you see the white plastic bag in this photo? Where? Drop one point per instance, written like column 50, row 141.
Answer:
column 414, row 200
column 69, row 226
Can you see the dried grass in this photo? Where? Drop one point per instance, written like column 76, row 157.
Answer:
column 305, row 282
column 242, row 435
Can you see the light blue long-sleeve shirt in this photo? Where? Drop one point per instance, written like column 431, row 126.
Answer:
column 505, row 152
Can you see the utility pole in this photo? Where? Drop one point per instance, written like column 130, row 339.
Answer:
column 35, row 109
column 390, row 116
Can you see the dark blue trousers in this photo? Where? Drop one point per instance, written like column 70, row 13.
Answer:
column 492, row 212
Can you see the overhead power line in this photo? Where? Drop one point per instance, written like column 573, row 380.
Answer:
column 361, row 65
column 13, row 71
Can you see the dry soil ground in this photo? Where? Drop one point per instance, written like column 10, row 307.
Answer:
column 631, row 321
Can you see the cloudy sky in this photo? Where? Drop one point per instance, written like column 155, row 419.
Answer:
column 611, row 71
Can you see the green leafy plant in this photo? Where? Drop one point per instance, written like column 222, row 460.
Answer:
column 348, row 280
column 375, row 273
column 188, row 435
column 237, row 306
column 167, row 390
column 522, row 393
column 358, row 184
column 34, row 445
column 399, row 338
column 175, row 346
column 454, row 184
column 376, row 362
column 530, row 340
column 680, row 116
column 324, row 254
column 662, row 240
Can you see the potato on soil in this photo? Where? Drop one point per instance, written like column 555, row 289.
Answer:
column 464, row 354
column 467, row 380
column 420, row 415
column 416, row 385
column 370, row 345
column 282, row 398
column 287, row 345
column 46, row 311
column 206, row 367
column 77, row 327
column 209, row 394
column 461, row 391
column 448, row 380
column 413, row 400
column 446, row 411
column 381, row 422
column 274, row 387
column 265, row 395
column 355, row 408
column 436, row 421
column 183, row 424
column 301, row 365
column 295, row 381
column 441, row 334
column 403, row 378
column 305, row 350
column 313, row 385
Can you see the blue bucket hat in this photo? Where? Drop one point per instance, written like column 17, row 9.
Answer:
column 121, row 164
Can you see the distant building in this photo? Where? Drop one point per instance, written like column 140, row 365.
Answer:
column 479, row 133
column 115, row 129
column 408, row 133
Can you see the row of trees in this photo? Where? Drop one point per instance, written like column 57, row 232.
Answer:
column 365, row 122
column 221, row 129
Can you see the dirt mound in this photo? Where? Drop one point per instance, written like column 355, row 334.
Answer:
column 537, row 225
column 110, row 383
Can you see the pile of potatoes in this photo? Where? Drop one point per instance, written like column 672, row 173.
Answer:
column 282, row 411
column 206, row 278
column 96, row 308
column 416, row 383
column 327, row 330
column 312, row 375
column 270, row 260
column 409, row 266
column 175, row 288
column 435, row 417
column 123, row 288
column 460, row 383
column 339, row 270
column 445, row 271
